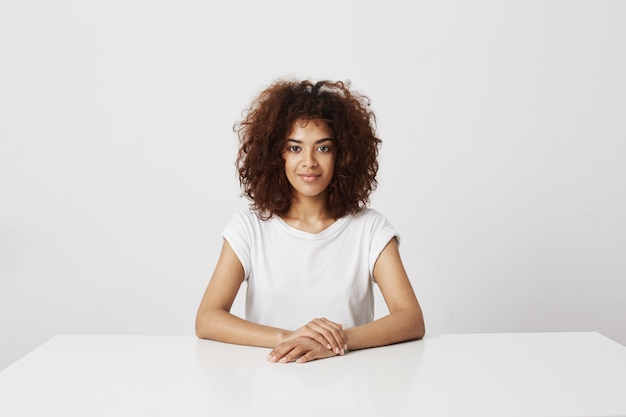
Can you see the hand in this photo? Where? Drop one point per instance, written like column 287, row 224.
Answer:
column 327, row 333
column 301, row 349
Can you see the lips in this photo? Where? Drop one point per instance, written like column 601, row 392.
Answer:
column 309, row 177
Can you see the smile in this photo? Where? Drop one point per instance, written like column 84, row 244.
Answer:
column 309, row 177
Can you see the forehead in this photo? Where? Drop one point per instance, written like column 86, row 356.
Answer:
column 310, row 127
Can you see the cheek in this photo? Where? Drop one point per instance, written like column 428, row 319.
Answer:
column 288, row 164
column 331, row 163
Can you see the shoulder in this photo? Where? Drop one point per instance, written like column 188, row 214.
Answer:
column 245, row 215
column 370, row 213
column 248, row 222
column 377, row 225
column 243, row 222
column 370, row 216
column 246, row 218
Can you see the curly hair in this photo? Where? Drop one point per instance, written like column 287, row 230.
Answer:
column 263, row 133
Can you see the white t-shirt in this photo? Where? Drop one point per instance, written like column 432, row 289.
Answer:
column 295, row 276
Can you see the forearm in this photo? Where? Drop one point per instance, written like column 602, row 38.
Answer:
column 219, row 325
column 399, row 326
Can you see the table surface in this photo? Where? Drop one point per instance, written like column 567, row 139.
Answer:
column 515, row 374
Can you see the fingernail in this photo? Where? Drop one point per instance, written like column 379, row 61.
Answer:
column 345, row 347
column 271, row 358
column 283, row 359
column 329, row 346
column 337, row 350
column 342, row 351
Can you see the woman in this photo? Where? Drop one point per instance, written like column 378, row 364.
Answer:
column 309, row 249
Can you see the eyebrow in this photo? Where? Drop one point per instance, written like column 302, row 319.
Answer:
column 317, row 142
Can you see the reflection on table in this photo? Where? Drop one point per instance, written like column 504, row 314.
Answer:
column 532, row 374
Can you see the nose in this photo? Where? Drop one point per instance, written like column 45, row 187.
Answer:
column 308, row 159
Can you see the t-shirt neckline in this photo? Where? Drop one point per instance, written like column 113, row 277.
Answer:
column 324, row 234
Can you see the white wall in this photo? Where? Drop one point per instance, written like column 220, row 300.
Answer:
column 503, row 161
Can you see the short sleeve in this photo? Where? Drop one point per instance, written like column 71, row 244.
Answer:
column 381, row 234
column 238, row 233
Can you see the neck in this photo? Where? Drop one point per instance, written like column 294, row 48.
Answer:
column 308, row 214
column 307, row 208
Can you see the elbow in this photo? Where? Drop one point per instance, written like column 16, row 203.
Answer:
column 199, row 331
column 202, row 326
column 419, row 328
column 412, row 327
column 210, row 324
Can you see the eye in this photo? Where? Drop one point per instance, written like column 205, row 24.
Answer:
column 293, row 148
column 323, row 148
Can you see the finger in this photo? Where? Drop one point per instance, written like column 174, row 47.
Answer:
column 315, row 354
column 338, row 328
column 271, row 357
column 292, row 355
column 307, row 357
column 285, row 349
column 332, row 333
column 294, row 349
column 316, row 333
column 279, row 351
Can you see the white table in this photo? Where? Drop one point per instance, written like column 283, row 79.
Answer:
column 532, row 374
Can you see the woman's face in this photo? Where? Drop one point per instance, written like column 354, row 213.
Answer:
column 309, row 156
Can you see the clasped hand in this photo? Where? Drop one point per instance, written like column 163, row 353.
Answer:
column 318, row 339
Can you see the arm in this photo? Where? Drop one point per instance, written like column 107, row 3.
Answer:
column 405, row 320
column 214, row 320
